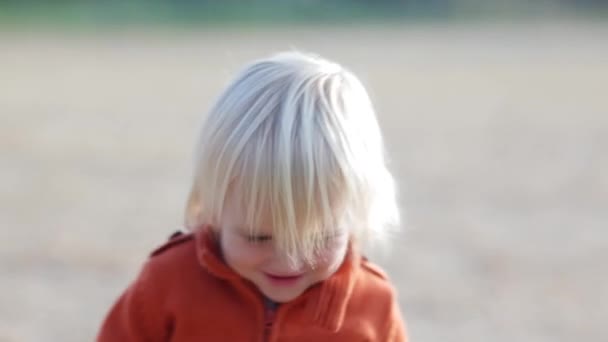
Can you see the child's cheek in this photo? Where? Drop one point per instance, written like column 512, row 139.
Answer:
column 332, row 254
column 249, row 254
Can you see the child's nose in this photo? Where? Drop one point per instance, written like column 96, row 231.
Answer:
column 289, row 263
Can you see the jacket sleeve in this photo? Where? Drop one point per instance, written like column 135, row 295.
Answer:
column 138, row 314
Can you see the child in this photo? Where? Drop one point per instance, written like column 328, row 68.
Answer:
column 289, row 180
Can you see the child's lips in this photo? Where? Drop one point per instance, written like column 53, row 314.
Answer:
column 283, row 280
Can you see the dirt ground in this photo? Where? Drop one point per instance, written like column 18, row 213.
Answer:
column 498, row 136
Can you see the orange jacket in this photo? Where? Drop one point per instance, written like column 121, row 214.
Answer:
column 175, row 299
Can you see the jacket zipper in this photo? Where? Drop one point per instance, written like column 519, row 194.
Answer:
column 270, row 313
column 258, row 302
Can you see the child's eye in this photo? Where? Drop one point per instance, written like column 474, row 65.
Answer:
column 333, row 237
column 259, row 238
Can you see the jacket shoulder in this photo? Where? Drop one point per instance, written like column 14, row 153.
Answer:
column 374, row 300
column 373, row 269
column 170, row 261
column 177, row 239
column 373, row 281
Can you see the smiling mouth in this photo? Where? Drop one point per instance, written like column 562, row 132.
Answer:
column 283, row 280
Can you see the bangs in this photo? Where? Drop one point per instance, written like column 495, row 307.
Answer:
column 296, row 186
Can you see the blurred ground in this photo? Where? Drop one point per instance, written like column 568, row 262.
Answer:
column 498, row 134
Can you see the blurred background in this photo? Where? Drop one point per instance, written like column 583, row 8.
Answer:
column 495, row 115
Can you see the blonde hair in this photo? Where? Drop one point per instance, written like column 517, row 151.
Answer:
column 295, row 137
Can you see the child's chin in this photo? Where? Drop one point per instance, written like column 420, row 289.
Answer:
column 283, row 295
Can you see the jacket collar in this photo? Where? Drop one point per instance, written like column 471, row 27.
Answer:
column 325, row 302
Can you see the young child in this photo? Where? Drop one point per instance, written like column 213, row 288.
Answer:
column 289, row 180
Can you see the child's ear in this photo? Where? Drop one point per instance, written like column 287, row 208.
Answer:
column 193, row 210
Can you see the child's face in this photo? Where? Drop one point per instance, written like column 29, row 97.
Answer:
column 256, row 259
